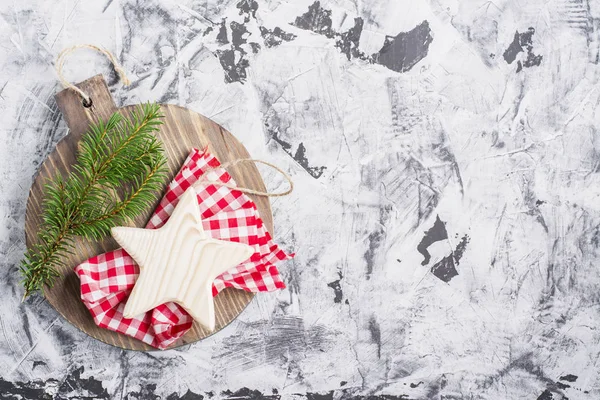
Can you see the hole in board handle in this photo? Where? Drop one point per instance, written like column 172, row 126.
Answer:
column 87, row 103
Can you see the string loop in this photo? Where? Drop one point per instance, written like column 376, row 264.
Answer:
column 205, row 180
column 60, row 62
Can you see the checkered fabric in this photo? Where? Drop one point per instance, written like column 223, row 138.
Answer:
column 227, row 214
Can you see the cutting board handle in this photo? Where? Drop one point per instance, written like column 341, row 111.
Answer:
column 77, row 115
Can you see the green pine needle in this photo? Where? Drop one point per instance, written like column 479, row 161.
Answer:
column 119, row 170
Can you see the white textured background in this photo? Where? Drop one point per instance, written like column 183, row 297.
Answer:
column 459, row 139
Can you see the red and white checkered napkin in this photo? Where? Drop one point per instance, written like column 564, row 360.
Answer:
column 107, row 279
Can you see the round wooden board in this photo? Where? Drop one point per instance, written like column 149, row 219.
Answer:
column 181, row 131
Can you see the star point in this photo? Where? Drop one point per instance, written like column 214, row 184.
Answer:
column 178, row 262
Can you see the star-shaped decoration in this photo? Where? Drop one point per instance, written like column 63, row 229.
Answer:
column 178, row 262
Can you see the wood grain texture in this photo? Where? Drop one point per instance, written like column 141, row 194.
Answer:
column 181, row 131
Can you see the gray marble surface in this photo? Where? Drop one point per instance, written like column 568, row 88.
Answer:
column 446, row 219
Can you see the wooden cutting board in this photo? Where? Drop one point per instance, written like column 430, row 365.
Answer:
column 181, row 131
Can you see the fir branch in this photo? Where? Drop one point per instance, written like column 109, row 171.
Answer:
column 116, row 154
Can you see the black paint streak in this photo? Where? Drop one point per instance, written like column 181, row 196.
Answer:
column 106, row 6
column 337, row 289
column 29, row 390
column 375, row 239
column 510, row 54
column 248, row 394
column 530, row 61
column 569, row 378
column 320, row 396
column 222, row 35
column 375, row 334
column 72, row 387
column 255, row 47
column 75, row 384
column 189, row 395
column 299, row 155
column 233, row 54
column 76, row 388
column 146, row 392
column 561, row 385
column 316, row 19
column 436, row 233
column 445, row 269
column 522, row 42
column 248, row 9
column 348, row 394
column 546, row 395
column 402, row 52
column 37, row 364
column 275, row 37
column 349, row 41
column 234, row 71
column 237, row 35
column 399, row 53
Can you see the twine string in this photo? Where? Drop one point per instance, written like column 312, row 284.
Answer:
column 60, row 62
column 204, row 179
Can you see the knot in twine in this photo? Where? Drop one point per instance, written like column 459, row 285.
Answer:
column 60, row 62
column 87, row 101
